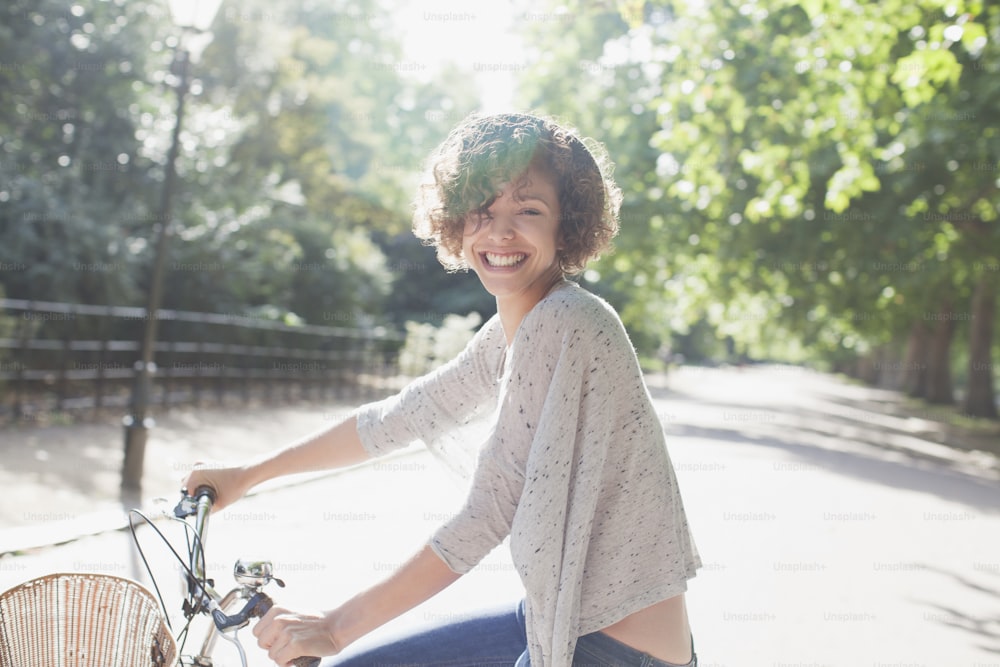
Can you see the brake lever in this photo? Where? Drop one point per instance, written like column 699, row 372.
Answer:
column 255, row 607
column 185, row 507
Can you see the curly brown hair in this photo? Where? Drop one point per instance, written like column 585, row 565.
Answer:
column 484, row 152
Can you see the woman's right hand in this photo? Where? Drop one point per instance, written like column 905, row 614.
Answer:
column 229, row 482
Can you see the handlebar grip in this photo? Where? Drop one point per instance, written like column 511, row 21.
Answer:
column 260, row 609
column 192, row 503
column 206, row 492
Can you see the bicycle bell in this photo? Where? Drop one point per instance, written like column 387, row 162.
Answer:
column 254, row 572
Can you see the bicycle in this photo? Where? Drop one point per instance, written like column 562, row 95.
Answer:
column 100, row 620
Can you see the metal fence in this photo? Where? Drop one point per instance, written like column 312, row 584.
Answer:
column 75, row 358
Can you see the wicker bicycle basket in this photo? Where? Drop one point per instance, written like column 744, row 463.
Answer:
column 83, row 620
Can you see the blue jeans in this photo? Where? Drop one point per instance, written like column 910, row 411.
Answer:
column 600, row 650
column 496, row 638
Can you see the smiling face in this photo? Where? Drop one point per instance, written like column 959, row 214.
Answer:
column 513, row 245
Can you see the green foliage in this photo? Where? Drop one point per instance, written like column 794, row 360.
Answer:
column 301, row 140
column 799, row 178
column 71, row 183
column 329, row 133
column 806, row 168
column 422, row 290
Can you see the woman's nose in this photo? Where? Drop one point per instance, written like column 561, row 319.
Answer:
column 501, row 228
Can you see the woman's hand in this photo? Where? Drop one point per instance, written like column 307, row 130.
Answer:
column 230, row 482
column 287, row 635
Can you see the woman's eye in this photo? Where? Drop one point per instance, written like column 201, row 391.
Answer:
column 475, row 220
column 531, row 211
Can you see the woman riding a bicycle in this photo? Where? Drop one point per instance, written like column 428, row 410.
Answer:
column 574, row 468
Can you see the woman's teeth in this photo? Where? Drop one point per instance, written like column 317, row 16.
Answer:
column 503, row 260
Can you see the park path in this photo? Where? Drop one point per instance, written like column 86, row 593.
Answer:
column 835, row 530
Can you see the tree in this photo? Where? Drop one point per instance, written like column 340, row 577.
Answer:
column 301, row 139
column 797, row 171
column 324, row 138
column 70, row 180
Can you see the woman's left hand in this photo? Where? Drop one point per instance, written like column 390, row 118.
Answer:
column 287, row 635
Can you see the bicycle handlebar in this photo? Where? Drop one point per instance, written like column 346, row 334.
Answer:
column 200, row 504
column 205, row 496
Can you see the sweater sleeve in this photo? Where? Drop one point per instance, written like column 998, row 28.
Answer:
column 547, row 370
column 448, row 398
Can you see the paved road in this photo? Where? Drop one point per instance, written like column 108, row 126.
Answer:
column 833, row 533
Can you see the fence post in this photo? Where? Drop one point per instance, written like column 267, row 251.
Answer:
column 169, row 371
column 19, row 380
column 343, row 359
column 287, row 366
column 243, row 373
column 196, row 380
column 62, row 384
column 330, row 359
column 102, row 356
column 220, row 380
column 367, row 365
column 316, row 373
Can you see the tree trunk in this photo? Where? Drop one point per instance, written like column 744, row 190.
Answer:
column 864, row 368
column 939, row 388
column 979, row 398
column 915, row 364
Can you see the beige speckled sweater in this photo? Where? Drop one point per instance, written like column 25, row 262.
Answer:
column 574, row 468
